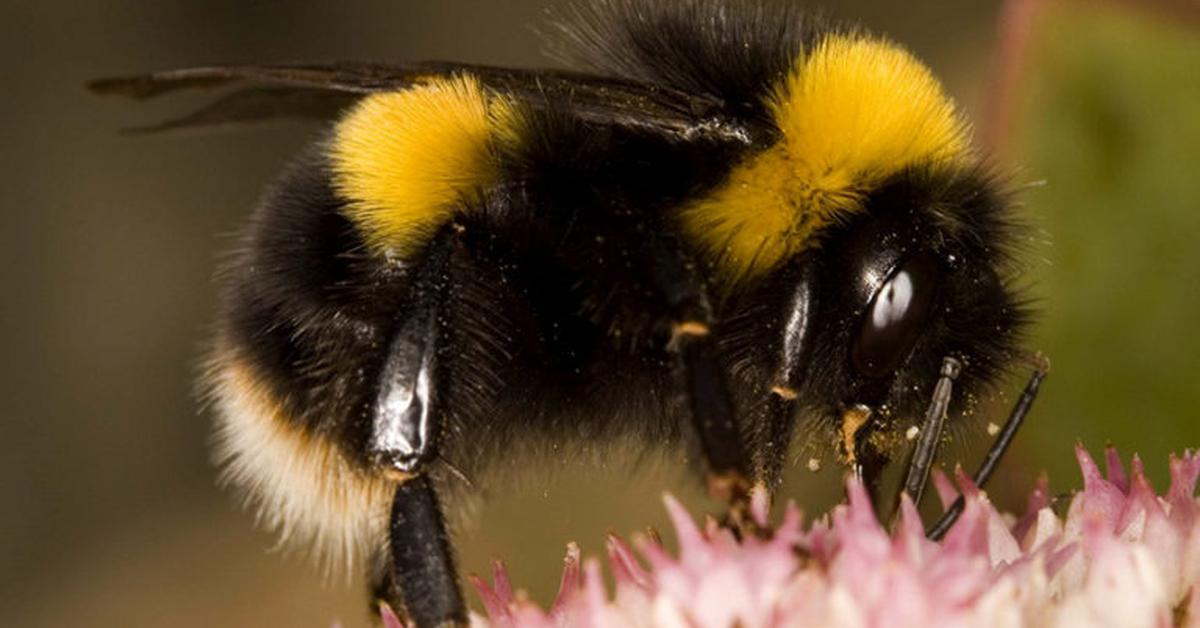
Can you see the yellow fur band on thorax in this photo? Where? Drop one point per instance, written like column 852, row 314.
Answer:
column 852, row 112
column 406, row 161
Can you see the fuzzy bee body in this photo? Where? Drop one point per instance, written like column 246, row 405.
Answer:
column 741, row 230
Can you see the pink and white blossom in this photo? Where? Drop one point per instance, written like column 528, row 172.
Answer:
column 1123, row 556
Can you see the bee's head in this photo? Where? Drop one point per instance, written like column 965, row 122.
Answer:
column 868, row 212
column 919, row 275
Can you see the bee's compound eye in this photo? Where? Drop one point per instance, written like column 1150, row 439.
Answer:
column 895, row 317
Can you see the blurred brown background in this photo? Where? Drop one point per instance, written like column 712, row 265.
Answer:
column 108, row 510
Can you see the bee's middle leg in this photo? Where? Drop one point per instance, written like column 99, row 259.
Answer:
column 701, row 378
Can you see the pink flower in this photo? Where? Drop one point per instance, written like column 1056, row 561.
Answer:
column 1124, row 556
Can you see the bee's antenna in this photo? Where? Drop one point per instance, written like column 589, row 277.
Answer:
column 999, row 446
column 931, row 430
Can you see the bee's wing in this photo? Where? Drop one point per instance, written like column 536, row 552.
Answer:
column 321, row 91
column 256, row 104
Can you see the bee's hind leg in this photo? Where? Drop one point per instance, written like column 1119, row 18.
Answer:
column 419, row 578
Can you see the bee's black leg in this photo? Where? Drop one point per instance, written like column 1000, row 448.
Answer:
column 701, row 377
column 406, row 424
column 931, row 431
column 784, row 394
column 422, row 569
column 1015, row 419
column 712, row 413
column 416, row 575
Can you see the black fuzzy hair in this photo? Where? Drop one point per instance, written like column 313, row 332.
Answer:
column 702, row 47
column 303, row 301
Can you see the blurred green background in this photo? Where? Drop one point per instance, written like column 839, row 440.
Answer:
column 108, row 507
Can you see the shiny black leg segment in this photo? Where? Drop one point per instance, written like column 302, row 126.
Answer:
column 931, row 431
column 423, row 572
column 794, row 355
column 405, row 415
column 420, row 578
column 713, row 415
column 404, row 426
column 698, row 371
column 1009, row 432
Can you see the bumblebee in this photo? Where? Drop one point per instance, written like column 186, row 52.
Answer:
column 736, row 227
